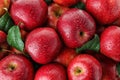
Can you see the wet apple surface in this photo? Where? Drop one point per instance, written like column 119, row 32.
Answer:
column 59, row 39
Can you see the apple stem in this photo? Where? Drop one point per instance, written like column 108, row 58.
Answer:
column 5, row 9
column 9, row 51
column 5, row 50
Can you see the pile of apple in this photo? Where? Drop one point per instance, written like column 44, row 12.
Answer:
column 59, row 39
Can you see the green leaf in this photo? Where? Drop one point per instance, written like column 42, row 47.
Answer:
column 79, row 5
column 93, row 44
column 14, row 38
column 118, row 69
column 6, row 22
column 48, row 1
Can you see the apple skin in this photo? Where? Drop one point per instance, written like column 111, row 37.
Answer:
column 84, row 67
column 4, row 4
column 66, row 2
column 54, row 12
column 76, row 27
column 104, row 11
column 29, row 14
column 52, row 71
column 16, row 67
column 110, row 42
column 43, row 45
column 65, row 56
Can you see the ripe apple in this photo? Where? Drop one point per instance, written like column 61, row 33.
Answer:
column 54, row 12
column 4, row 4
column 43, row 45
column 76, row 27
column 16, row 67
column 66, row 2
column 110, row 42
column 65, row 56
column 104, row 11
column 52, row 71
column 29, row 14
column 84, row 67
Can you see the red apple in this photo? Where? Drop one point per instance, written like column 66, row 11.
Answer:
column 84, row 67
column 104, row 11
column 4, row 4
column 110, row 42
column 54, row 12
column 76, row 27
column 16, row 67
column 29, row 14
column 65, row 56
column 52, row 71
column 43, row 45
column 66, row 2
